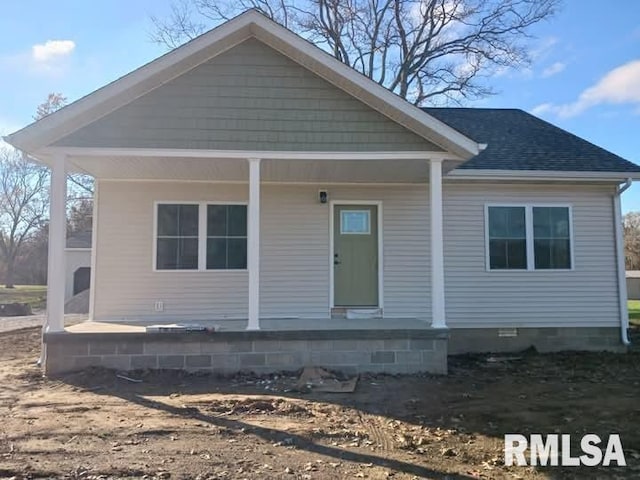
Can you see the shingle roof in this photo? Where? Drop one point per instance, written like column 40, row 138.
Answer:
column 79, row 240
column 518, row 140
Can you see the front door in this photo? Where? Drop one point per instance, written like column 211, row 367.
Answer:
column 355, row 255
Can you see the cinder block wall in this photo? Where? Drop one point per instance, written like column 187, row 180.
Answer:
column 395, row 351
column 549, row 339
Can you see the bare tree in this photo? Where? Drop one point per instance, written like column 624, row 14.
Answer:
column 427, row 51
column 80, row 217
column 631, row 228
column 81, row 186
column 54, row 101
column 23, row 205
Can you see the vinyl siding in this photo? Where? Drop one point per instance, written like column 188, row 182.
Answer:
column 294, row 277
column 585, row 296
column 250, row 97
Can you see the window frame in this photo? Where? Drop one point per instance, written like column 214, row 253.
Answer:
column 529, row 237
column 202, row 236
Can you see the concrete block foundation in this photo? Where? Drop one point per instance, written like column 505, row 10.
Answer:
column 549, row 339
column 368, row 350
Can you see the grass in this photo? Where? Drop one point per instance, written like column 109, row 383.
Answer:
column 34, row 295
column 634, row 312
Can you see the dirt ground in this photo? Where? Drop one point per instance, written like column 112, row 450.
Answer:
column 94, row 425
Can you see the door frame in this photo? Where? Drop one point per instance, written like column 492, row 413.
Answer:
column 377, row 203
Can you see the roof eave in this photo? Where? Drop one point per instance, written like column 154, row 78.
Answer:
column 551, row 175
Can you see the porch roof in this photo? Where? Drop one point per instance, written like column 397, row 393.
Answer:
column 331, row 167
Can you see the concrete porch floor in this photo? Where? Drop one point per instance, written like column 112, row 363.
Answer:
column 270, row 325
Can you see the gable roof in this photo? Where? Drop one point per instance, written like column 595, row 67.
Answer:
column 251, row 23
column 517, row 140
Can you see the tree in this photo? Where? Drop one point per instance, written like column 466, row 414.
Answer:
column 426, row 51
column 80, row 217
column 23, row 206
column 81, row 186
column 54, row 101
column 631, row 228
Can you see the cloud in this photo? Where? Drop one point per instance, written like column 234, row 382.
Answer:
column 620, row 86
column 52, row 49
column 552, row 70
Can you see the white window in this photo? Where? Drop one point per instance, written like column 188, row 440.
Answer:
column 200, row 236
column 528, row 237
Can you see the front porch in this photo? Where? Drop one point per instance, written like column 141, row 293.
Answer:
column 376, row 346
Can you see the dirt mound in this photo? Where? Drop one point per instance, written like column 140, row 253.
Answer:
column 78, row 303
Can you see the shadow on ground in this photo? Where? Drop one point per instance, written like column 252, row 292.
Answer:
column 437, row 420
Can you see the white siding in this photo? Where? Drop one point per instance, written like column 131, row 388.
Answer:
column 586, row 296
column 294, row 253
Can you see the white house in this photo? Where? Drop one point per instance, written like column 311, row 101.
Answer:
column 248, row 180
column 77, row 263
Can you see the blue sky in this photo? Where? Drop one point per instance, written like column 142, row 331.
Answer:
column 585, row 76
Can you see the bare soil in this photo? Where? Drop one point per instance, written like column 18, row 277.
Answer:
column 172, row 425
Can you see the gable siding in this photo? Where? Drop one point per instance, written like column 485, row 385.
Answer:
column 294, row 277
column 586, row 296
column 250, row 97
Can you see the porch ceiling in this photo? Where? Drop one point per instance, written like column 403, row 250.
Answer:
column 272, row 170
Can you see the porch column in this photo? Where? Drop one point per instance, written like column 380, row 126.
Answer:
column 437, row 247
column 253, row 244
column 57, row 239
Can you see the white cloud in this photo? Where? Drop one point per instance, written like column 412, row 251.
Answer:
column 51, row 49
column 620, row 86
column 554, row 69
column 543, row 48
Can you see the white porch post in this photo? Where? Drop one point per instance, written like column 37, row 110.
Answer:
column 57, row 239
column 253, row 244
column 437, row 247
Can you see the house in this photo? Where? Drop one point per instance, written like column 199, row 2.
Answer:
column 77, row 264
column 250, row 182
column 633, row 284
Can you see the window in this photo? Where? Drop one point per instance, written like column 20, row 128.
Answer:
column 355, row 222
column 551, row 238
column 528, row 237
column 177, row 247
column 200, row 236
column 226, row 237
column 507, row 238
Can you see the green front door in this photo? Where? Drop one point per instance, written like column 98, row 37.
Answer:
column 355, row 255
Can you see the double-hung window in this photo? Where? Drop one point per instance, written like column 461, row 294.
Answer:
column 528, row 237
column 177, row 237
column 226, row 237
column 200, row 236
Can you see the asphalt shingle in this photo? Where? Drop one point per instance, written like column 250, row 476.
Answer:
column 518, row 140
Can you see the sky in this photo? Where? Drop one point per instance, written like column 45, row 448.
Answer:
column 585, row 74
